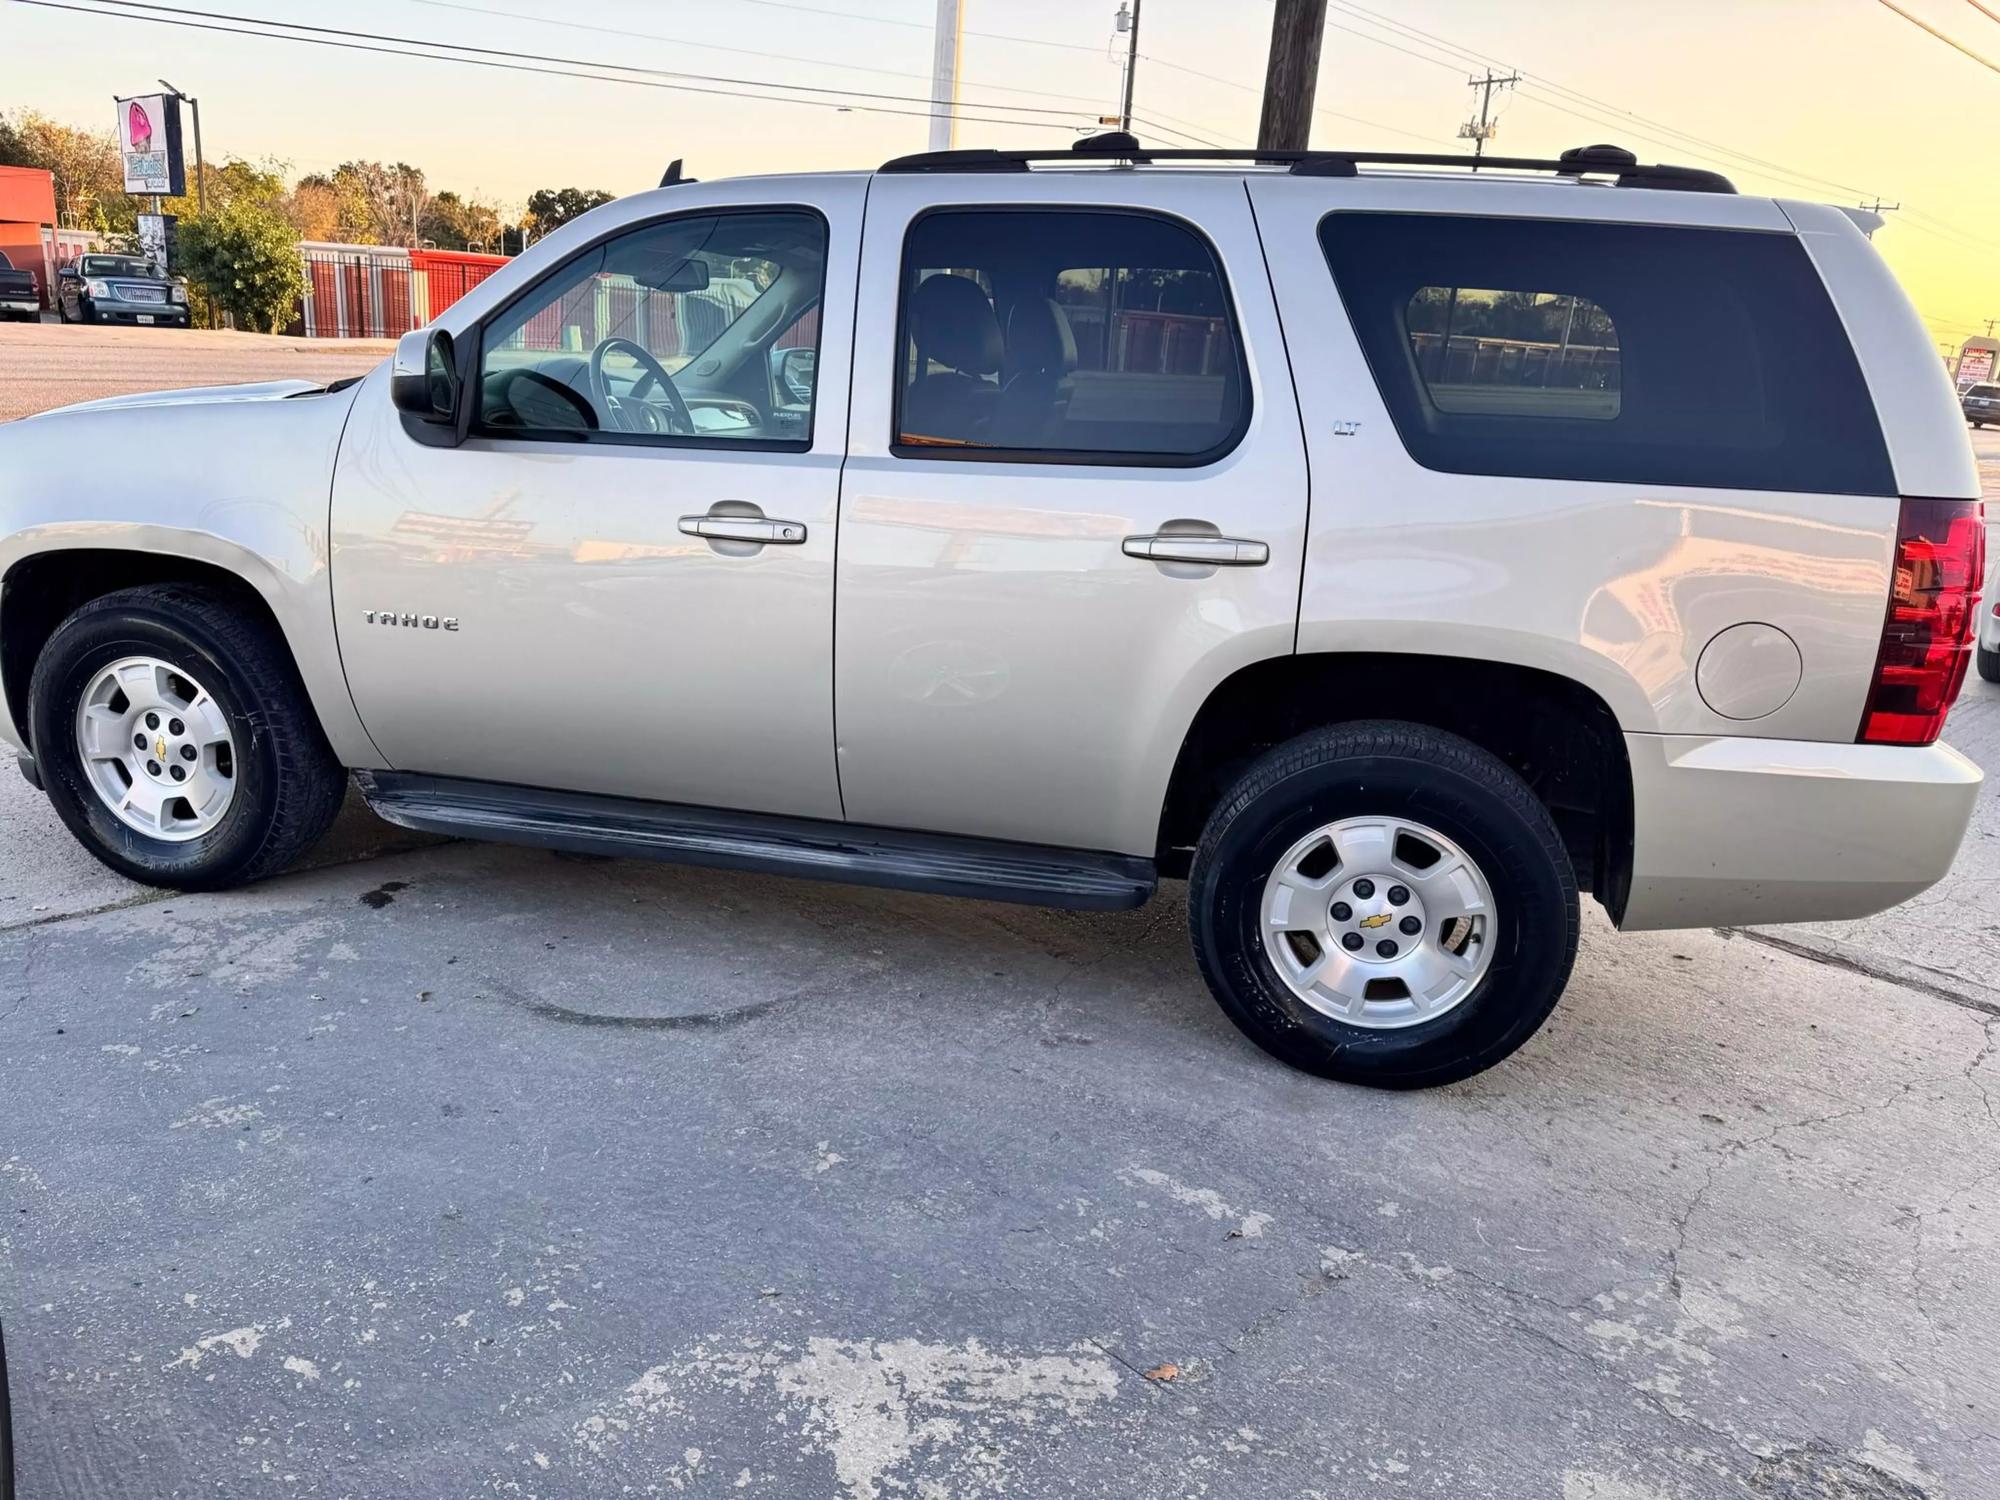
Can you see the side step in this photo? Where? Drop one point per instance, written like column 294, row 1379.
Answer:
column 584, row 823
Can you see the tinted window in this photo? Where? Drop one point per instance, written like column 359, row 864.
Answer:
column 1107, row 336
column 1634, row 354
column 650, row 336
column 1988, row 392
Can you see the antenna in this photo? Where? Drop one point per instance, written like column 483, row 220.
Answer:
column 672, row 176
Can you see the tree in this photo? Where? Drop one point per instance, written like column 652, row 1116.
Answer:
column 89, row 180
column 326, row 207
column 13, row 150
column 247, row 255
column 455, row 223
column 551, row 208
column 396, row 198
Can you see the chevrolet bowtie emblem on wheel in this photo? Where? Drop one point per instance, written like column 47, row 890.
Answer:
column 160, row 748
column 1381, row 921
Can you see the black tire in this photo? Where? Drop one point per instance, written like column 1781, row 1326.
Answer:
column 1437, row 779
column 6, row 1431
column 289, row 785
column 1989, row 663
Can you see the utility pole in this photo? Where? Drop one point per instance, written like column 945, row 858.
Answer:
column 947, row 49
column 1482, row 130
column 1291, row 77
column 1127, row 21
column 194, row 108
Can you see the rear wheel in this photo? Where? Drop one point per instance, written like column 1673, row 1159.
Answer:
column 176, row 741
column 1989, row 664
column 1384, row 903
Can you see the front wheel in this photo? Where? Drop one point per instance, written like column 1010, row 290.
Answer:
column 1989, row 664
column 176, row 741
column 1384, row 903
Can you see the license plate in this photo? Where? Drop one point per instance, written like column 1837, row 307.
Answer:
column 144, row 318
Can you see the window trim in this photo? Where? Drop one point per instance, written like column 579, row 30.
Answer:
column 605, row 437
column 1379, row 376
column 1070, row 457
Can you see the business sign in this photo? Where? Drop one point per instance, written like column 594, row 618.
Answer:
column 156, row 241
column 1975, row 364
column 149, row 144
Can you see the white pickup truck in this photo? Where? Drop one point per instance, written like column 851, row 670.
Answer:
column 1388, row 551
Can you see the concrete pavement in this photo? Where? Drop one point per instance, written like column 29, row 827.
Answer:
column 457, row 1170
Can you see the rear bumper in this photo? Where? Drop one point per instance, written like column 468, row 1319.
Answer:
column 13, row 304
column 1729, row 832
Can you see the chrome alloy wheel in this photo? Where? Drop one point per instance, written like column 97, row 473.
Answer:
column 1378, row 922
column 156, row 749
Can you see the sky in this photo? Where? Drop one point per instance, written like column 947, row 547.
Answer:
column 1837, row 100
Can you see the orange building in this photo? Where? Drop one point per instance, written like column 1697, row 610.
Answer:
column 27, row 222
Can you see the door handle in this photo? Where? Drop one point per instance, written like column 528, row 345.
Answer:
column 1198, row 547
column 745, row 529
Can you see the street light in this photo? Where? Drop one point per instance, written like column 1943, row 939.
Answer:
column 194, row 106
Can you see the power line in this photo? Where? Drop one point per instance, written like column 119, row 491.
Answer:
column 178, row 15
column 577, row 69
column 817, row 62
column 1991, row 15
column 1232, row 83
column 1954, row 44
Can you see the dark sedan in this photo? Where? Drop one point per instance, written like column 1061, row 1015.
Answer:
column 119, row 289
column 1981, row 404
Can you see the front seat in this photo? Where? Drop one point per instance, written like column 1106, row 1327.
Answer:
column 952, row 324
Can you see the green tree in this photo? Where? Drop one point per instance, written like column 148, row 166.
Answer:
column 246, row 254
column 454, row 223
column 551, row 208
column 13, row 150
column 90, row 182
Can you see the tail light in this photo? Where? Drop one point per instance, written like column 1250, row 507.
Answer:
column 1933, row 608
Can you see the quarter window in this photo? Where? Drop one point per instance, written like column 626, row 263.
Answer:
column 1637, row 354
column 1095, row 336
column 670, row 333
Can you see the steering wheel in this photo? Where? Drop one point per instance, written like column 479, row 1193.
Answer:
column 632, row 413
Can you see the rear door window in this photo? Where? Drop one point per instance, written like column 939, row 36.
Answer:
column 1637, row 354
column 1066, row 336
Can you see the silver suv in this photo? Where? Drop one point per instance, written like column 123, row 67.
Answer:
column 1389, row 552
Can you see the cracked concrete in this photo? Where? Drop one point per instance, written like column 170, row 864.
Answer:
column 471, row 1171
column 959, row 1203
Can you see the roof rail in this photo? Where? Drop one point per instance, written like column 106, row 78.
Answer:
column 1117, row 146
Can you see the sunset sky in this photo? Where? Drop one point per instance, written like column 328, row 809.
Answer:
column 1838, row 100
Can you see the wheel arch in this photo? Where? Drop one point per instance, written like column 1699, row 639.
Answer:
column 1558, row 734
column 40, row 589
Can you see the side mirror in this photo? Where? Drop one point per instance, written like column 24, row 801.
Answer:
column 69, row 273
column 793, row 371
column 423, row 379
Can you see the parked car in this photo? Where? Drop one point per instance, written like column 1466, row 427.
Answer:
column 119, row 289
column 20, row 294
column 1289, row 527
column 1982, row 404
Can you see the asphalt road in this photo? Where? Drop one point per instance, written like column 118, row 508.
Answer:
column 46, row 364
column 454, row 1170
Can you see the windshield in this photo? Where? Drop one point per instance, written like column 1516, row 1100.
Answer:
column 115, row 265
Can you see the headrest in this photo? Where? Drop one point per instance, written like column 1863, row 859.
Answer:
column 952, row 322
column 1039, row 337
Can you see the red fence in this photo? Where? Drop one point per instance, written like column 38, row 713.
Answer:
column 382, row 291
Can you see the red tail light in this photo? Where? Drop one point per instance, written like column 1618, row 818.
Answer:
column 1933, row 607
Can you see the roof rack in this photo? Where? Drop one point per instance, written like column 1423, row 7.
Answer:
column 1117, row 146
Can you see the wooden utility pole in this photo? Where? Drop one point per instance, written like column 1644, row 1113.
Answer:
column 1131, row 23
column 1292, row 75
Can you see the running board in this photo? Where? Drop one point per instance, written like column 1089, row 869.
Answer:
column 584, row 823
